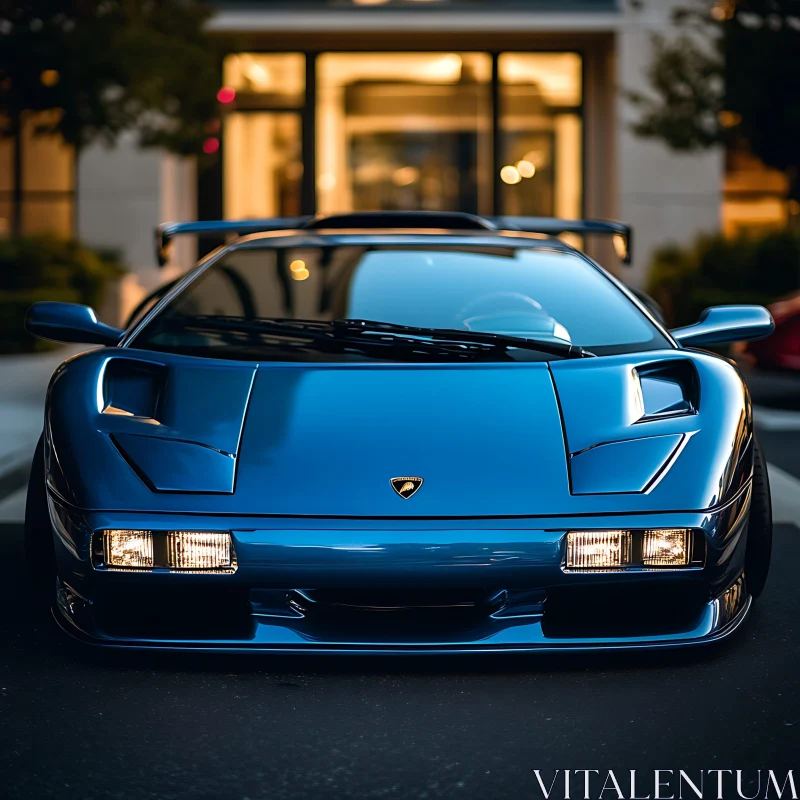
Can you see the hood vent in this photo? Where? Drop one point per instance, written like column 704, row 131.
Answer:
column 668, row 389
column 133, row 388
column 643, row 415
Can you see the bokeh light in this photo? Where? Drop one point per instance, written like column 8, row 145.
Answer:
column 299, row 270
column 510, row 175
column 526, row 168
column 50, row 77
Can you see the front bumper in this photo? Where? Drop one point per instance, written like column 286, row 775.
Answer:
column 390, row 586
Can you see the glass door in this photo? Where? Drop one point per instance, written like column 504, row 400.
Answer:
column 262, row 157
column 541, row 134
column 404, row 131
column 263, row 165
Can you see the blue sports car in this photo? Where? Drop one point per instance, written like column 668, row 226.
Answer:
column 398, row 433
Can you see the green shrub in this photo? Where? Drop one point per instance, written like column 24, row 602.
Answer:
column 715, row 270
column 34, row 268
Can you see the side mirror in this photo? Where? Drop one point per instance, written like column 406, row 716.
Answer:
column 725, row 324
column 69, row 322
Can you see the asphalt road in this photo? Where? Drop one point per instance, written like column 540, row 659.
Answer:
column 77, row 725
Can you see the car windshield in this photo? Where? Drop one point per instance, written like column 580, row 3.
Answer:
column 248, row 304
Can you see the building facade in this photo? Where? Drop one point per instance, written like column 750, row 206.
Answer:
column 486, row 106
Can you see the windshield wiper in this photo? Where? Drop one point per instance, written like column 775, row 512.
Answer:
column 304, row 335
column 454, row 335
column 372, row 335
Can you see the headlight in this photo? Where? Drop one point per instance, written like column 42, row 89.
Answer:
column 189, row 550
column 598, row 550
column 669, row 548
column 128, row 549
column 176, row 551
column 666, row 548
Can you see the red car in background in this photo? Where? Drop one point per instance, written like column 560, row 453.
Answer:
column 781, row 350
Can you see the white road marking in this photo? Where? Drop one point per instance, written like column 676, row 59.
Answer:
column 776, row 419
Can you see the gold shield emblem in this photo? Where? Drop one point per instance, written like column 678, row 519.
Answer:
column 406, row 487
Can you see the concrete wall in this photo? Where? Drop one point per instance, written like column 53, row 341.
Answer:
column 666, row 196
column 123, row 194
column 119, row 200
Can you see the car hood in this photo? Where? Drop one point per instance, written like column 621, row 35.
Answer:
column 485, row 441
column 327, row 440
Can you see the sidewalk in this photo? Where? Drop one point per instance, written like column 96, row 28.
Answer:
column 23, row 384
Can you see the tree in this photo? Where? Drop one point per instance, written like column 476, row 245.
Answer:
column 108, row 66
column 732, row 74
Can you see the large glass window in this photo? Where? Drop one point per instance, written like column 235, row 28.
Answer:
column 263, row 140
column 266, row 80
column 540, row 122
column 45, row 200
column 403, row 131
column 263, row 165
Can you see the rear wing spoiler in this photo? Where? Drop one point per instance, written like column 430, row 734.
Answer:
column 622, row 235
column 239, row 227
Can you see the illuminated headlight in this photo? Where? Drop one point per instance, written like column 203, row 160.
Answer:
column 598, row 549
column 128, row 549
column 176, row 551
column 192, row 550
column 669, row 548
column 666, row 548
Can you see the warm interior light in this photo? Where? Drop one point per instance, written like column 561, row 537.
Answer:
column 510, row 174
column 128, row 549
column 299, row 270
column 446, row 68
column 405, row 176
column 326, row 182
column 536, row 157
column 194, row 550
column 666, row 548
column 258, row 75
column 50, row 77
column 526, row 168
column 598, row 549
column 620, row 245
